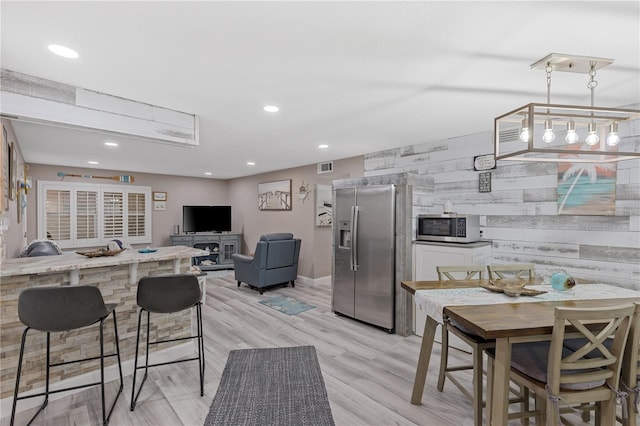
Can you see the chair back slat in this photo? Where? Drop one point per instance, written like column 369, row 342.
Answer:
column 593, row 362
column 452, row 273
column 514, row 270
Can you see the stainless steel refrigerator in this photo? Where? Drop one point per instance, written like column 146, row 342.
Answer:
column 364, row 254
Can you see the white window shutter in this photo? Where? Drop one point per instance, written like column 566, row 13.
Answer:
column 58, row 215
column 84, row 215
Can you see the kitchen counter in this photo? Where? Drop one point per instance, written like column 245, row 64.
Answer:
column 475, row 244
column 116, row 277
column 72, row 262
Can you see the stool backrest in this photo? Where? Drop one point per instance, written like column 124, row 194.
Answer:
column 168, row 293
column 60, row 308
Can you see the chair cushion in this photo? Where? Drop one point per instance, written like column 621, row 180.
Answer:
column 277, row 237
column 532, row 359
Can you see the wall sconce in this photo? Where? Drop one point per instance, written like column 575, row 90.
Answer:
column 25, row 185
column 304, row 191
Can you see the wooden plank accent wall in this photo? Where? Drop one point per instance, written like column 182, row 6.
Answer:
column 520, row 215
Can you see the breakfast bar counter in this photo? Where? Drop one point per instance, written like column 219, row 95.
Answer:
column 116, row 277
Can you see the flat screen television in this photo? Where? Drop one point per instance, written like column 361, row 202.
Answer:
column 206, row 218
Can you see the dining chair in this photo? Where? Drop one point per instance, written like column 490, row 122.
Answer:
column 477, row 344
column 514, row 270
column 630, row 379
column 561, row 377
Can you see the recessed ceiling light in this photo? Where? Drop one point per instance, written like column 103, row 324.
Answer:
column 207, row 173
column 63, row 51
column 113, row 144
column 93, row 162
column 323, row 146
column 271, row 108
column 250, row 163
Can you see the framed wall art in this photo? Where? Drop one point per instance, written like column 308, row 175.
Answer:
column 5, row 176
column 13, row 171
column 324, row 205
column 159, row 196
column 274, row 195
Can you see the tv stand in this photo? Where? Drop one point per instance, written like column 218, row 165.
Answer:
column 219, row 245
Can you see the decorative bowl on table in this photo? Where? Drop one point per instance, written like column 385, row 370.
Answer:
column 100, row 252
column 147, row 250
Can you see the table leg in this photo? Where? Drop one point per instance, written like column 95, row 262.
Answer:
column 501, row 371
column 423, row 360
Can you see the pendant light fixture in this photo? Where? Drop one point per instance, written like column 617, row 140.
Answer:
column 593, row 134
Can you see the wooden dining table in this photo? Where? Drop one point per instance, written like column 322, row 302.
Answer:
column 507, row 323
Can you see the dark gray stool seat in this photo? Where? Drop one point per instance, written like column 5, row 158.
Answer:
column 65, row 308
column 165, row 295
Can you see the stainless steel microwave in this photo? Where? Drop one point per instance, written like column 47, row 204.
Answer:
column 453, row 228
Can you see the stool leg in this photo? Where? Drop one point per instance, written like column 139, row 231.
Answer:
column 15, row 393
column 135, row 364
column 104, row 414
column 200, row 347
column 115, row 330
column 134, row 395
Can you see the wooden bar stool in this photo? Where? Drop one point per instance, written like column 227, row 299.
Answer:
column 64, row 308
column 168, row 294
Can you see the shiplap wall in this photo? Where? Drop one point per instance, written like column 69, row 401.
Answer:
column 520, row 215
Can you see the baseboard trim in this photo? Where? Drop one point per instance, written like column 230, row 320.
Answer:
column 321, row 281
column 110, row 374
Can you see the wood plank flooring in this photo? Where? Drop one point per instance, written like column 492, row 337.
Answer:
column 368, row 373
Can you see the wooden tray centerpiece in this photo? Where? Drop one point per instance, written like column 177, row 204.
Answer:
column 100, row 252
column 513, row 287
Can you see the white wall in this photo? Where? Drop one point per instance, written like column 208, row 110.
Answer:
column 520, row 214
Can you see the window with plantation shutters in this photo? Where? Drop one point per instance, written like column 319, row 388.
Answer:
column 58, row 211
column 113, row 215
column 84, row 215
column 87, row 215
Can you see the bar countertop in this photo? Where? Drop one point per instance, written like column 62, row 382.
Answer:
column 71, row 261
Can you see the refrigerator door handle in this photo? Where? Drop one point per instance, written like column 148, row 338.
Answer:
column 354, row 237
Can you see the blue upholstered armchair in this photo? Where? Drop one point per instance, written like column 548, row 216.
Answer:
column 275, row 262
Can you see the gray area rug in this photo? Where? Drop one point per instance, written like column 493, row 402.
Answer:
column 273, row 386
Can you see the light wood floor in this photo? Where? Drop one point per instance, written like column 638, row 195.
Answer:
column 368, row 373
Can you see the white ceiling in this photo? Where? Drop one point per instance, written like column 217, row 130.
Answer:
column 359, row 76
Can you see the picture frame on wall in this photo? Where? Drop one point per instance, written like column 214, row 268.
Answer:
column 4, row 176
column 159, row 196
column 160, row 205
column 324, row 205
column 274, row 195
column 13, row 171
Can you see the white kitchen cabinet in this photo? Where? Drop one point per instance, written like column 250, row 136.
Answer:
column 426, row 256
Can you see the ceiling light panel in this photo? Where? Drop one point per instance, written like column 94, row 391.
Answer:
column 64, row 51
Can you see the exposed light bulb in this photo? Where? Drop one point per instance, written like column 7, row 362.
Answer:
column 592, row 137
column 524, row 132
column 613, row 139
column 571, row 136
column 548, row 136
